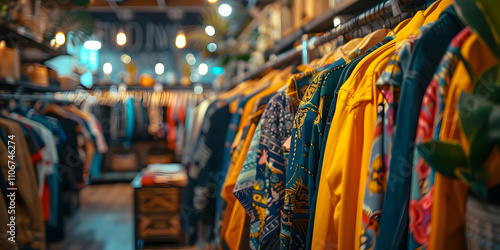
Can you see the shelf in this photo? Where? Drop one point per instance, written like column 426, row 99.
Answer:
column 31, row 50
column 284, row 58
column 27, row 87
column 321, row 23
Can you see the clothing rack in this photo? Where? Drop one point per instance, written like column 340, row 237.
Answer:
column 26, row 87
column 141, row 88
column 49, row 97
column 383, row 10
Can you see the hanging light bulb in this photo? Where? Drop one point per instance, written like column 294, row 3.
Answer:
column 121, row 38
column 107, row 68
column 92, row 45
column 212, row 47
column 190, row 59
column 126, row 58
column 60, row 38
column 225, row 10
column 212, row 1
column 203, row 69
column 159, row 68
column 210, row 30
column 180, row 40
column 336, row 21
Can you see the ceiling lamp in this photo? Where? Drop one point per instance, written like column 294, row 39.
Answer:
column 203, row 69
column 159, row 68
column 92, row 45
column 121, row 38
column 107, row 68
column 225, row 10
column 210, row 30
column 60, row 38
column 180, row 40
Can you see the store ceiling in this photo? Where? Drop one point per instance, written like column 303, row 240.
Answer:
column 135, row 3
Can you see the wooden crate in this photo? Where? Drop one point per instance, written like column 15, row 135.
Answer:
column 157, row 217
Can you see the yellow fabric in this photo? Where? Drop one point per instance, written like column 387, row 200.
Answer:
column 432, row 12
column 232, row 227
column 350, row 138
column 371, row 39
column 344, row 174
column 341, row 51
column 265, row 80
column 450, row 196
column 235, row 91
column 235, row 216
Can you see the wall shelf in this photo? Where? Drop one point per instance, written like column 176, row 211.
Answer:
column 31, row 50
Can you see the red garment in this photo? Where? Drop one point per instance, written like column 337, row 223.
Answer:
column 45, row 199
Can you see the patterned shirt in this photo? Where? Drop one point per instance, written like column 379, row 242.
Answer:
column 302, row 163
column 389, row 84
column 268, row 191
column 429, row 127
column 246, row 179
column 426, row 56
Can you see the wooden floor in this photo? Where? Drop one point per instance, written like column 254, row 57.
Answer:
column 104, row 221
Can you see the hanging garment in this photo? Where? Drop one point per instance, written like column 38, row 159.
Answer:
column 394, row 226
column 198, row 205
column 243, row 189
column 30, row 228
column 235, row 213
column 277, row 121
column 448, row 210
column 389, row 84
column 302, row 166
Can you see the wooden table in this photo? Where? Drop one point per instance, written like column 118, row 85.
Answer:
column 157, row 217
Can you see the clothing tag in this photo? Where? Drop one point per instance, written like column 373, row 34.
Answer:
column 287, row 143
column 396, row 10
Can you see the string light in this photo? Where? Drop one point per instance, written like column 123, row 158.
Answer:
column 190, row 59
column 92, row 45
column 159, row 68
column 212, row 47
column 210, row 30
column 60, row 38
column 225, row 10
column 107, row 68
column 203, row 69
column 121, row 38
column 126, row 58
column 180, row 41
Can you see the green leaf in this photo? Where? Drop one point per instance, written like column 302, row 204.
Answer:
column 481, row 22
column 473, row 113
column 490, row 9
column 475, row 180
column 487, row 86
column 494, row 125
column 444, row 157
column 480, row 149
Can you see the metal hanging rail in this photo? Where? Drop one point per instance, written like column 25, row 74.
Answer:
column 107, row 87
column 382, row 10
column 49, row 97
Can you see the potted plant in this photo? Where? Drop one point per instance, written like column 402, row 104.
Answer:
column 479, row 117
